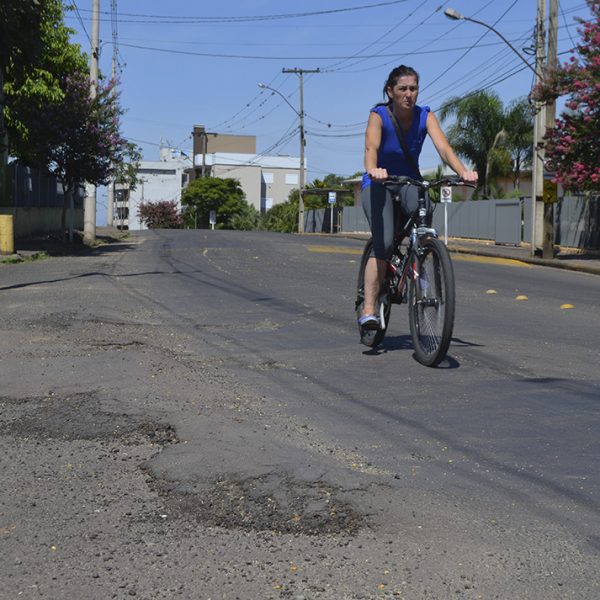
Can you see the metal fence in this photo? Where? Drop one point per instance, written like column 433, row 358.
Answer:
column 36, row 202
column 31, row 188
column 576, row 221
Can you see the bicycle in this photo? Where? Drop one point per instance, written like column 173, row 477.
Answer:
column 422, row 277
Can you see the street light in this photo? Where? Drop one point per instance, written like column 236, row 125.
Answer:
column 456, row 16
column 302, row 143
column 540, row 121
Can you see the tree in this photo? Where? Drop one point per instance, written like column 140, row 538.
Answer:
column 78, row 138
column 125, row 172
column 20, row 50
column 248, row 219
column 206, row 194
column 518, row 124
column 331, row 182
column 283, row 217
column 29, row 93
column 572, row 146
column 160, row 215
column 477, row 130
column 496, row 140
column 53, row 122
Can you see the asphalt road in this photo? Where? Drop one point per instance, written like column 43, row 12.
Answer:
column 190, row 414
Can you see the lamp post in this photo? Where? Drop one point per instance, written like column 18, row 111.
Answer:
column 540, row 121
column 302, row 144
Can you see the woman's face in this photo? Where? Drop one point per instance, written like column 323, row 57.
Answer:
column 404, row 93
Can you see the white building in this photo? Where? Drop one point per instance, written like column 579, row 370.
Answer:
column 160, row 181
column 266, row 180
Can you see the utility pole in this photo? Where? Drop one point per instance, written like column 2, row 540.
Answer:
column 89, row 206
column 550, row 189
column 539, row 129
column 111, row 183
column 300, row 73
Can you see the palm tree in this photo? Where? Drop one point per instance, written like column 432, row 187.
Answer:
column 519, row 127
column 496, row 140
column 478, row 130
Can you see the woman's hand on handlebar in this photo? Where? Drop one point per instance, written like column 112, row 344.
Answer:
column 378, row 174
column 469, row 176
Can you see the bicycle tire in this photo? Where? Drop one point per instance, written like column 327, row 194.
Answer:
column 385, row 305
column 431, row 302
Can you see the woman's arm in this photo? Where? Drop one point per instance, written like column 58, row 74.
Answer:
column 372, row 143
column 445, row 150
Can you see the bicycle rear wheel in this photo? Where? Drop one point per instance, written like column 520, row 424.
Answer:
column 375, row 337
column 431, row 302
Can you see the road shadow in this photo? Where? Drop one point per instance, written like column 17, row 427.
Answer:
column 395, row 343
column 53, row 245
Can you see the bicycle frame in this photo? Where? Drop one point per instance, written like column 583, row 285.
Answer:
column 415, row 228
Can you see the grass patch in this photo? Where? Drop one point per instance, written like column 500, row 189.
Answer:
column 13, row 260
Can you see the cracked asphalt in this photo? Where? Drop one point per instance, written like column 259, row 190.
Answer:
column 188, row 414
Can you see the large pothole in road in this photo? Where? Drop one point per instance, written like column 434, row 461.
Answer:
column 78, row 417
column 274, row 502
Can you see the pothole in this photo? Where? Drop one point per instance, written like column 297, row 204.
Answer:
column 78, row 417
column 275, row 503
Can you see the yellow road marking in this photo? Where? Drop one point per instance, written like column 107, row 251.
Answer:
column 490, row 260
column 455, row 256
column 566, row 306
column 334, row 250
column 521, row 297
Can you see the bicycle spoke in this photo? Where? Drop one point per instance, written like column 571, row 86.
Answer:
column 432, row 313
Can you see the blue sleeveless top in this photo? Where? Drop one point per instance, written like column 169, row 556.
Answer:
column 390, row 155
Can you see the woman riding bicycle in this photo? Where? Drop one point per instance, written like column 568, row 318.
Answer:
column 394, row 138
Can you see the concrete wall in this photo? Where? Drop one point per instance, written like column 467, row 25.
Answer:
column 249, row 178
column 33, row 221
column 276, row 185
column 160, row 181
column 220, row 142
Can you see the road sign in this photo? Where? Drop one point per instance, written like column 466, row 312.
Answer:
column 331, row 197
column 550, row 192
column 446, row 194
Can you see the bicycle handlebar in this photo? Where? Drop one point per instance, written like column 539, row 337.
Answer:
column 450, row 180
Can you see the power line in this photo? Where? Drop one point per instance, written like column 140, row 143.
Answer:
column 395, row 55
column 473, row 46
column 331, row 68
column 80, row 19
column 186, row 20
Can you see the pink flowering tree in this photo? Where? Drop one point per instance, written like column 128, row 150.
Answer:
column 78, row 137
column 573, row 144
column 160, row 215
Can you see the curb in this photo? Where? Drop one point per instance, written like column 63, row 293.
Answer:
column 555, row 263
column 532, row 260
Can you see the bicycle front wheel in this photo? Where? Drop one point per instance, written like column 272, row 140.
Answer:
column 431, row 302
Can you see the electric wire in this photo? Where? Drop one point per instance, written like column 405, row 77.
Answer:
column 186, row 20
column 80, row 19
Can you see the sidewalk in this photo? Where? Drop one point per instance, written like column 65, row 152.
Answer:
column 566, row 258
column 34, row 247
column 572, row 259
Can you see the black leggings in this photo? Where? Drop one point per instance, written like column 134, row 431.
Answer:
column 384, row 214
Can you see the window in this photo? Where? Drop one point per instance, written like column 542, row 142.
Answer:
column 266, row 204
column 291, row 178
column 267, row 177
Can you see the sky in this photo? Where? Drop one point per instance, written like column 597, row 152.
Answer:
column 185, row 63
